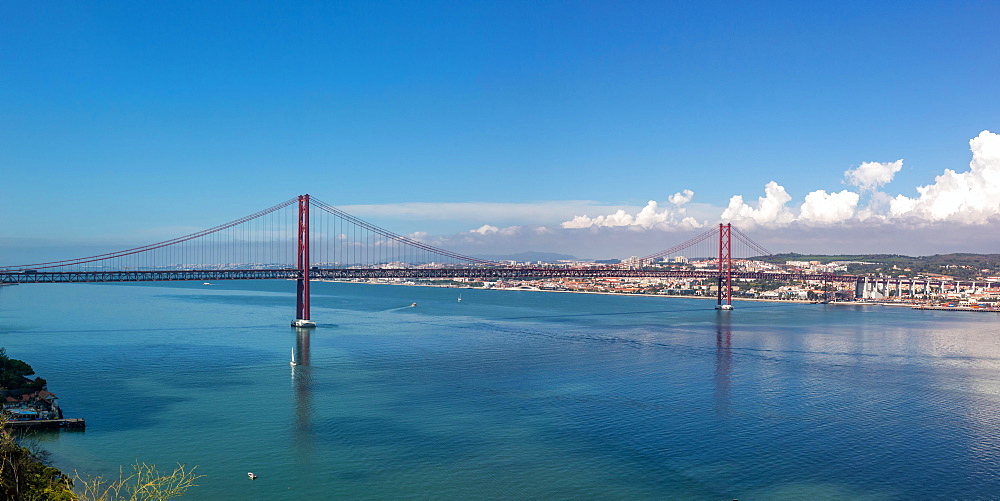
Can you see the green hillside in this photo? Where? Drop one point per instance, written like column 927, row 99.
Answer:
column 960, row 265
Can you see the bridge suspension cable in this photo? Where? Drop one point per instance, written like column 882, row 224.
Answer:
column 389, row 247
column 703, row 245
column 690, row 243
column 154, row 246
column 267, row 240
column 754, row 246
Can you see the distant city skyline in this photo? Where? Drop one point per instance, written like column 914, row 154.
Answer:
column 596, row 129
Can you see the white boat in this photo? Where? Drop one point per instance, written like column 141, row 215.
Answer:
column 251, row 475
column 293, row 362
column 459, row 298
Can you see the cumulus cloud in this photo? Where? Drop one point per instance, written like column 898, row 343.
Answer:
column 769, row 211
column 650, row 216
column 871, row 175
column 485, row 229
column 488, row 229
column 681, row 198
column 969, row 197
column 619, row 218
column 953, row 201
column 821, row 207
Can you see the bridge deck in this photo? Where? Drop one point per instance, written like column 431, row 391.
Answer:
column 485, row 273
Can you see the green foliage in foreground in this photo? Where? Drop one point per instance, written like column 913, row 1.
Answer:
column 24, row 476
column 144, row 483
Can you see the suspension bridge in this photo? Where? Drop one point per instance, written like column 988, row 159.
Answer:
column 304, row 239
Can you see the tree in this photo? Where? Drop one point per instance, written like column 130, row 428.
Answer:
column 25, row 477
column 13, row 372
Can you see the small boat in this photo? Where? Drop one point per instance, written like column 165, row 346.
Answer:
column 412, row 305
column 293, row 362
column 251, row 475
column 459, row 298
column 206, row 283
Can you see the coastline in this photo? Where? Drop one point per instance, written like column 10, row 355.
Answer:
column 535, row 289
column 912, row 306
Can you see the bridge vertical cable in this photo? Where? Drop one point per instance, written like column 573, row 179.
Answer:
column 358, row 244
column 260, row 240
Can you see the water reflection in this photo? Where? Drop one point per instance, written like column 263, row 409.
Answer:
column 723, row 358
column 302, row 345
column 302, row 396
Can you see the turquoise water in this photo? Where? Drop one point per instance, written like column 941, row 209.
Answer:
column 514, row 394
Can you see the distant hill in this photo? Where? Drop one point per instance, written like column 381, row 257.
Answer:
column 959, row 265
column 532, row 256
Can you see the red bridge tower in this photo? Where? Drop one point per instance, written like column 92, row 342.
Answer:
column 725, row 267
column 302, row 284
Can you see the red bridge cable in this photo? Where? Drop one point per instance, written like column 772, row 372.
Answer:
column 690, row 243
column 754, row 246
column 399, row 238
column 165, row 243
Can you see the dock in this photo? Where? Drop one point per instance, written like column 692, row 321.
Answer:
column 48, row 424
column 954, row 308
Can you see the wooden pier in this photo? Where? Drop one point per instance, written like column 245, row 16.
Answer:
column 48, row 424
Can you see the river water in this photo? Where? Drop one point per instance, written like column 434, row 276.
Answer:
column 513, row 394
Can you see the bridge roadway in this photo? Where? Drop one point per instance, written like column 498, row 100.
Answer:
column 481, row 273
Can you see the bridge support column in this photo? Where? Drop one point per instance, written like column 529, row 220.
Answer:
column 725, row 268
column 302, row 283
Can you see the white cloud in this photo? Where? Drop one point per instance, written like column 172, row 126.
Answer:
column 485, row 229
column 488, row 229
column 579, row 222
column 822, row 208
column 619, row 218
column 681, row 198
column 770, row 209
column 870, row 175
column 650, row 216
column 970, row 197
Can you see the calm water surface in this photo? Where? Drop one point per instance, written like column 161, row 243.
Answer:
column 514, row 394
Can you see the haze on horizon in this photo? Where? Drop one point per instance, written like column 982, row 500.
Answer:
column 596, row 129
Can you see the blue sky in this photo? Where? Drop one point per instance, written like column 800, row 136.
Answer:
column 142, row 119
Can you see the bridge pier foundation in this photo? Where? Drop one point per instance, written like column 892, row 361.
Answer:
column 302, row 304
